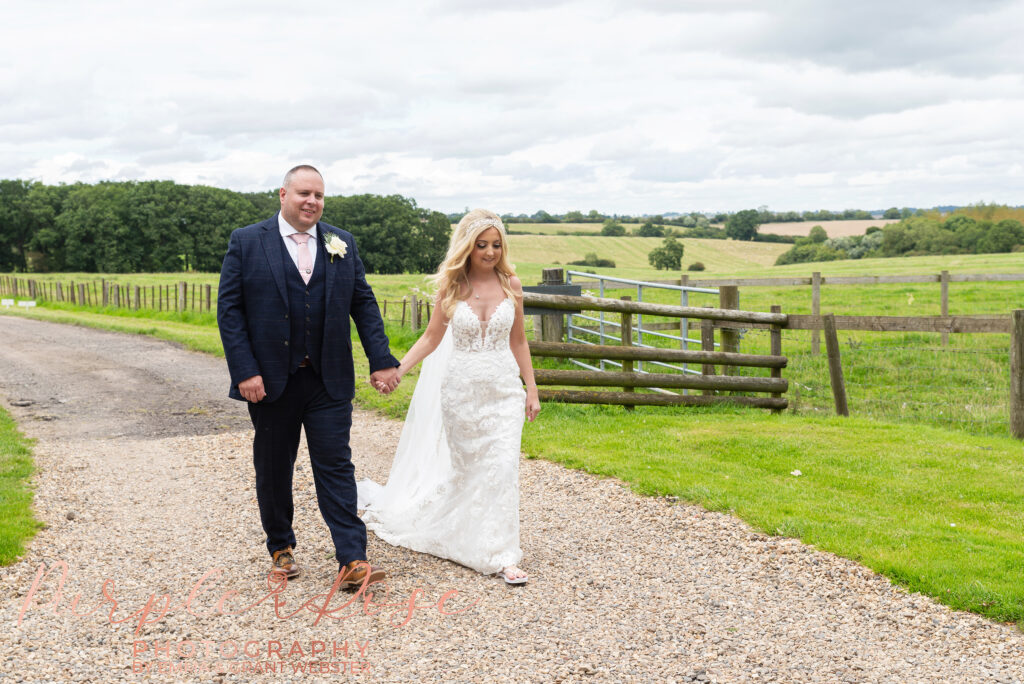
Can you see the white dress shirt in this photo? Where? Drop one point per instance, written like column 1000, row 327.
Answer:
column 292, row 246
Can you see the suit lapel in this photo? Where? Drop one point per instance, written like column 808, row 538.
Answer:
column 271, row 240
column 324, row 257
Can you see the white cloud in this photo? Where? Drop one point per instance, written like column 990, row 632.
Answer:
column 645, row 106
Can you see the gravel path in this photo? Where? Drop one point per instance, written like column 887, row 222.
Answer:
column 145, row 479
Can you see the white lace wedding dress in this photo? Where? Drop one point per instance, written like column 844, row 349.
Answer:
column 453, row 490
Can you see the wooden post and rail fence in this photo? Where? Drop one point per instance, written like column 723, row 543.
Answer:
column 628, row 380
column 817, row 280
column 180, row 296
column 728, row 318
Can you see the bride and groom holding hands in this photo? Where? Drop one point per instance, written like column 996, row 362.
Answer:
column 289, row 288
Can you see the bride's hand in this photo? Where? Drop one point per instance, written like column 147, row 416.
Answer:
column 532, row 407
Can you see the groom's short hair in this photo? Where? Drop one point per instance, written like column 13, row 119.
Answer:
column 295, row 169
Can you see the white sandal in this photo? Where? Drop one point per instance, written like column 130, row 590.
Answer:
column 505, row 574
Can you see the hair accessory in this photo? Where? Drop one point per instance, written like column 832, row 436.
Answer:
column 486, row 221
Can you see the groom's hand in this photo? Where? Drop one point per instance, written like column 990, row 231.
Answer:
column 251, row 389
column 385, row 380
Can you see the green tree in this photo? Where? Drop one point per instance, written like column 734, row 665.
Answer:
column 649, row 229
column 574, row 216
column 667, row 257
column 205, row 217
column 15, row 223
column 892, row 213
column 45, row 203
column 817, row 234
column 613, row 228
column 742, row 225
column 433, row 234
column 385, row 229
column 1002, row 237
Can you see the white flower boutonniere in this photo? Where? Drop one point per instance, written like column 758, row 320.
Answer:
column 335, row 246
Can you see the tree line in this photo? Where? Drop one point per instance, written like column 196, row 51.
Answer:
column 163, row 226
column 696, row 219
column 982, row 229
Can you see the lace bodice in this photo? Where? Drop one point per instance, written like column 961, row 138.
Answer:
column 472, row 334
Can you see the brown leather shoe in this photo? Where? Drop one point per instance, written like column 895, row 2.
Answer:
column 359, row 573
column 284, row 563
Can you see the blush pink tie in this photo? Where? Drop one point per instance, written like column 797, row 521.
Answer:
column 305, row 261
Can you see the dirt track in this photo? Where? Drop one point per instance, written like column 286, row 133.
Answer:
column 68, row 382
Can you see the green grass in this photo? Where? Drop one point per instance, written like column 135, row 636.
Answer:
column 937, row 511
column 532, row 253
column 17, row 524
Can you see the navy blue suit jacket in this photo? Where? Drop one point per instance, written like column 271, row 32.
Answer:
column 252, row 312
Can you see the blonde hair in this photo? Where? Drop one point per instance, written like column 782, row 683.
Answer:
column 452, row 277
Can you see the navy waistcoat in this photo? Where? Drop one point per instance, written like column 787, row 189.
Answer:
column 306, row 309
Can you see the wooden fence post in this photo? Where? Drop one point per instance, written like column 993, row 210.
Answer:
column 684, row 323
column 815, row 310
column 627, row 341
column 404, row 302
column 60, row 292
column 81, row 294
column 1017, row 373
column 208, row 294
column 552, row 326
column 115, row 294
column 835, row 367
column 776, row 350
column 707, row 343
column 729, row 298
column 179, row 296
column 414, row 312
column 944, row 288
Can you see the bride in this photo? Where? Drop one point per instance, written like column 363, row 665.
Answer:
column 453, row 490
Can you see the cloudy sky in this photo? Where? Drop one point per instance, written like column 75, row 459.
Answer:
column 638, row 106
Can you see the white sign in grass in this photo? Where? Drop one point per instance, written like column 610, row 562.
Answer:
column 7, row 302
column 27, row 303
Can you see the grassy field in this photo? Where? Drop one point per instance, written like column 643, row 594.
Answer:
column 798, row 228
column 531, row 253
column 17, row 525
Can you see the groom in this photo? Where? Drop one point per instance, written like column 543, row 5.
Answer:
column 288, row 286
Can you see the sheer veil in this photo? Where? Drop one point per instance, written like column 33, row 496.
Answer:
column 422, row 461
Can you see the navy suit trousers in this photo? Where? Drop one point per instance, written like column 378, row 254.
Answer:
column 306, row 404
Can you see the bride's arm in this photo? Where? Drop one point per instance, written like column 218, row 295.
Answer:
column 521, row 350
column 428, row 341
